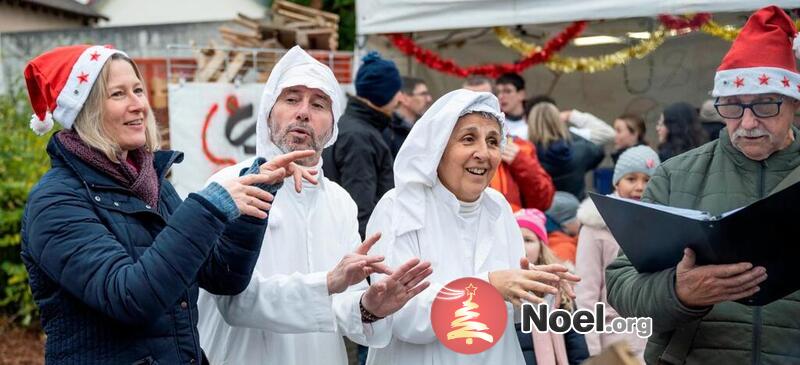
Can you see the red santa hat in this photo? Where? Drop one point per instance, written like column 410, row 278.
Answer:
column 762, row 58
column 59, row 82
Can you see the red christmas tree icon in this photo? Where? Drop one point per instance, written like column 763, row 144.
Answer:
column 465, row 326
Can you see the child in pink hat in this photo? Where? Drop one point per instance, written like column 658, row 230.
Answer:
column 550, row 347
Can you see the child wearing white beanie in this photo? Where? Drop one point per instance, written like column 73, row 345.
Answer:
column 597, row 247
column 639, row 159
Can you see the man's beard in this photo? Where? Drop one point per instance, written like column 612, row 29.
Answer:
column 288, row 143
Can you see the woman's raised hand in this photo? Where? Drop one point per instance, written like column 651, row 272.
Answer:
column 567, row 280
column 254, row 201
column 516, row 285
column 286, row 163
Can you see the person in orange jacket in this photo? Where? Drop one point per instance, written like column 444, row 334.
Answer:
column 521, row 178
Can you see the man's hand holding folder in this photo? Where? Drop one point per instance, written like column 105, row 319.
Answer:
column 706, row 285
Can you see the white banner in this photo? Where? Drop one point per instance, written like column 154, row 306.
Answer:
column 213, row 124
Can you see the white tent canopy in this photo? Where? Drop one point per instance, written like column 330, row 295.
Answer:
column 398, row 16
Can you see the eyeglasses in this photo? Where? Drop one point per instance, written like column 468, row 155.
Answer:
column 761, row 109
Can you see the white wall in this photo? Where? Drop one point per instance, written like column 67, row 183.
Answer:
column 17, row 19
column 144, row 12
column 139, row 42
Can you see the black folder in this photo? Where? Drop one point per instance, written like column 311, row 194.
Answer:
column 763, row 233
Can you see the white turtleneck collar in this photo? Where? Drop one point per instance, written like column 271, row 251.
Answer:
column 469, row 209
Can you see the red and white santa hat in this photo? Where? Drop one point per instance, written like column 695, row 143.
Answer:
column 59, row 82
column 762, row 58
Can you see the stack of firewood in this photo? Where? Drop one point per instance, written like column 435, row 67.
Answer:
column 250, row 33
column 291, row 24
column 308, row 27
column 215, row 64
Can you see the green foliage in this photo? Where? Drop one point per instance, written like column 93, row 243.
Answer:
column 23, row 160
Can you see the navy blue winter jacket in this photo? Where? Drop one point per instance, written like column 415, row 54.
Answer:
column 567, row 162
column 115, row 279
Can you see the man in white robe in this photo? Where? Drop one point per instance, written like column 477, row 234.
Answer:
column 308, row 287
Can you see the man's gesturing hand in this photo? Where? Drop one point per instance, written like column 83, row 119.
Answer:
column 355, row 267
column 393, row 292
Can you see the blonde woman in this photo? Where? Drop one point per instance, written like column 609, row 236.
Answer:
column 115, row 257
column 566, row 156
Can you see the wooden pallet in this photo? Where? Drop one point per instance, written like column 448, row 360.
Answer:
column 314, row 29
column 290, row 25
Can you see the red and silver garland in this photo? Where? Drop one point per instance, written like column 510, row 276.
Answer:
column 407, row 46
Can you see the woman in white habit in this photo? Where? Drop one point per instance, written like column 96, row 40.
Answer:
column 442, row 211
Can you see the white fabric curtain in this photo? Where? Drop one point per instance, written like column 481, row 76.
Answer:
column 393, row 16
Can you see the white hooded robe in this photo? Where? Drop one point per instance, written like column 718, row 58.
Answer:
column 285, row 316
column 420, row 218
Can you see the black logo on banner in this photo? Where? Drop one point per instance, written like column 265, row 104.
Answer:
column 237, row 115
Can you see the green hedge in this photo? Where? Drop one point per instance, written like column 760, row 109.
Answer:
column 23, row 160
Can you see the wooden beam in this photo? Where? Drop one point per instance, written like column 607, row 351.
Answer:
column 247, row 24
column 304, row 10
column 233, row 68
column 241, row 42
column 237, row 33
column 199, row 56
column 244, row 19
column 207, row 73
column 294, row 16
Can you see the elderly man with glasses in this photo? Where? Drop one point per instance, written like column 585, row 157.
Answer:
column 695, row 317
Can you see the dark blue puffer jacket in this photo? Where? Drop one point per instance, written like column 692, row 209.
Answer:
column 116, row 280
column 567, row 162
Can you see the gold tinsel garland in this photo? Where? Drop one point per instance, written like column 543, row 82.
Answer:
column 726, row 32
column 585, row 64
